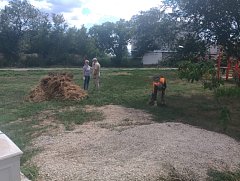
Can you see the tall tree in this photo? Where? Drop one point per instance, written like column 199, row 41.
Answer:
column 79, row 44
column 15, row 19
column 103, row 35
column 112, row 38
column 153, row 30
column 121, row 37
column 40, row 41
column 191, row 47
column 218, row 21
column 58, row 39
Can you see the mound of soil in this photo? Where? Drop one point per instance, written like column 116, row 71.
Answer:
column 57, row 86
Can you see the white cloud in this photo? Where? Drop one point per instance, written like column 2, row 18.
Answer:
column 108, row 9
column 99, row 10
column 121, row 8
column 3, row 3
column 42, row 5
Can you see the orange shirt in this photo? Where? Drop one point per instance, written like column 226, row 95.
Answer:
column 161, row 81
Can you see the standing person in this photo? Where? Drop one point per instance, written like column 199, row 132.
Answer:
column 86, row 74
column 96, row 72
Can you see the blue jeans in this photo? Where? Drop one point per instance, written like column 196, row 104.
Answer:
column 86, row 82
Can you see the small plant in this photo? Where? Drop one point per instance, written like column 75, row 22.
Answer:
column 207, row 73
column 201, row 71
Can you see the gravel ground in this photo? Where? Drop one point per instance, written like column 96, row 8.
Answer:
column 127, row 145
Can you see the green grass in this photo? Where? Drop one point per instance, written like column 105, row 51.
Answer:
column 186, row 102
column 78, row 116
column 216, row 175
column 187, row 175
column 228, row 92
column 30, row 171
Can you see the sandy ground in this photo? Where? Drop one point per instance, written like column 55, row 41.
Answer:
column 127, row 145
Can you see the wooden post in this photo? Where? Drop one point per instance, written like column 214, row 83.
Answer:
column 237, row 70
column 229, row 66
column 219, row 63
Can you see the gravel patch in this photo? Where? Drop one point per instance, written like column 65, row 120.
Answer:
column 127, row 145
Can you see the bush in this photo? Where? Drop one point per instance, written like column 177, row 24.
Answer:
column 204, row 71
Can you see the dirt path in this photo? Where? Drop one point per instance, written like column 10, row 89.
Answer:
column 127, row 145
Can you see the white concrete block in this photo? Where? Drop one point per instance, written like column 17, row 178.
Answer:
column 9, row 159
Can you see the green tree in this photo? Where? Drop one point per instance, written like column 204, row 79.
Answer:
column 40, row 41
column 80, row 45
column 218, row 21
column 16, row 19
column 153, row 30
column 121, row 37
column 58, row 51
column 112, row 38
column 190, row 47
column 103, row 36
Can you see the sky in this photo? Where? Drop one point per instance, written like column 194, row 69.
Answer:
column 90, row 12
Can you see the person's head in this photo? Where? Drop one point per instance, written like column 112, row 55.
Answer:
column 94, row 60
column 86, row 61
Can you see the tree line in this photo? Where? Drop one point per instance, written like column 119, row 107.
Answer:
column 30, row 37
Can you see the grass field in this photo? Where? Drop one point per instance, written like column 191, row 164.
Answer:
column 186, row 102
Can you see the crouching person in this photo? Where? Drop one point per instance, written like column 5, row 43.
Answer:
column 159, row 85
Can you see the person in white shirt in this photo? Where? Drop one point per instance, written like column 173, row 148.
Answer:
column 96, row 72
column 86, row 74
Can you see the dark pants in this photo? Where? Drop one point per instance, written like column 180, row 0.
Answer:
column 157, row 89
column 86, row 82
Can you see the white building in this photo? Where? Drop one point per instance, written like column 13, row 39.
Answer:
column 156, row 56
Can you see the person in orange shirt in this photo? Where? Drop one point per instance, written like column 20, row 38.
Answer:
column 159, row 85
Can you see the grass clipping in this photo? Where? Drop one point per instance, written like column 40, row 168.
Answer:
column 57, row 86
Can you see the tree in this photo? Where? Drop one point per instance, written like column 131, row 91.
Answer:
column 218, row 21
column 40, row 42
column 15, row 19
column 79, row 44
column 121, row 39
column 112, row 38
column 214, row 21
column 58, row 40
column 190, row 47
column 153, row 30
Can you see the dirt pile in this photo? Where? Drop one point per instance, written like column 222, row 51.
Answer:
column 56, row 86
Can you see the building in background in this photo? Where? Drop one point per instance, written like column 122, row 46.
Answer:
column 156, row 57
